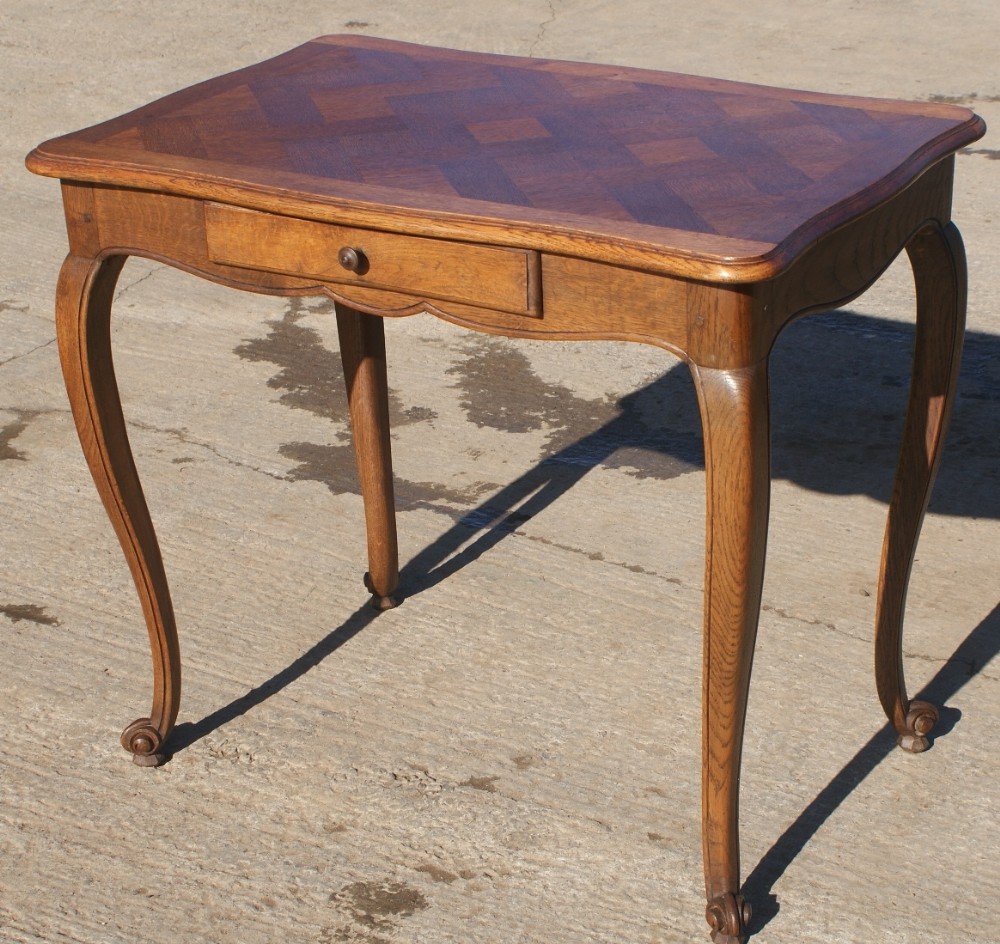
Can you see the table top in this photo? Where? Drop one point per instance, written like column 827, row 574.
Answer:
column 695, row 176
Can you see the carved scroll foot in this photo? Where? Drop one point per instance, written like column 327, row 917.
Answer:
column 735, row 421
column 920, row 721
column 938, row 261
column 83, row 328
column 379, row 602
column 728, row 916
column 143, row 742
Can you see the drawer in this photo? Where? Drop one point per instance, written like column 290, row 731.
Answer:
column 484, row 276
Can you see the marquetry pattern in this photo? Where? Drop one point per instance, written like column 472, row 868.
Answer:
column 695, row 155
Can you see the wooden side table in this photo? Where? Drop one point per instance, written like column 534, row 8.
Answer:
column 534, row 199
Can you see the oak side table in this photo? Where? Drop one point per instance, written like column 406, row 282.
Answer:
column 534, row 199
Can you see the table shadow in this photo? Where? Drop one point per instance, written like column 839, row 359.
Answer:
column 839, row 384
column 836, row 429
column 963, row 665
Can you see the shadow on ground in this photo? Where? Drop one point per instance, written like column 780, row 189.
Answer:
column 978, row 648
column 839, row 384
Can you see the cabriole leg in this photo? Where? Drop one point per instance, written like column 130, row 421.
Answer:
column 362, row 349
column 83, row 329
column 938, row 261
column 735, row 421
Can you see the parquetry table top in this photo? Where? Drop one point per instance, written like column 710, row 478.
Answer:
column 740, row 177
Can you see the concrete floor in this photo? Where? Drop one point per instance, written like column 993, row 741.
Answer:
column 513, row 754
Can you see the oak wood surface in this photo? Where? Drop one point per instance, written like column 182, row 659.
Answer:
column 938, row 260
column 83, row 316
column 362, row 350
column 680, row 174
column 433, row 268
column 736, row 428
column 536, row 199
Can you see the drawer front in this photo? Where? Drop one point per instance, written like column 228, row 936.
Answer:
column 485, row 276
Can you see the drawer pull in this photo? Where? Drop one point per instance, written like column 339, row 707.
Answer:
column 354, row 260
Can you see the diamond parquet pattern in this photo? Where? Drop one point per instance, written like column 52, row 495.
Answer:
column 610, row 145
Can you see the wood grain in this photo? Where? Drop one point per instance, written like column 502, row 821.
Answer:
column 538, row 199
column 735, row 425
column 938, row 260
column 362, row 350
column 678, row 174
column 83, row 330
column 471, row 274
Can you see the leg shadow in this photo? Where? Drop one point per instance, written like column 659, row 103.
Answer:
column 978, row 648
column 185, row 734
column 496, row 518
column 810, row 448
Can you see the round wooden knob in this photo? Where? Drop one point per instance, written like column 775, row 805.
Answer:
column 352, row 259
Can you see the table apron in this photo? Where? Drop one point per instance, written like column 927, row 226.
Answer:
column 501, row 290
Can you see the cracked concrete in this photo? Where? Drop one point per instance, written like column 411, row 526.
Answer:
column 180, row 436
column 124, row 287
column 512, row 756
column 542, row 28
column 37, row 347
